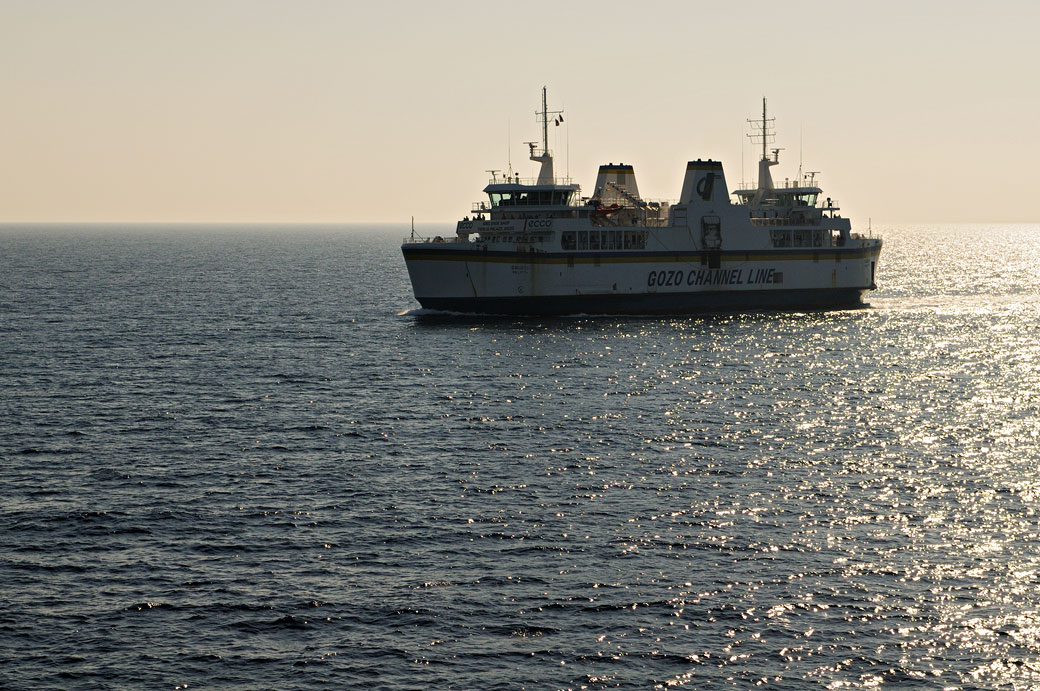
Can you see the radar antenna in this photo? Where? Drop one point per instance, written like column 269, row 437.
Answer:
column 545, row 174
column 764, row 132
column 543, row 115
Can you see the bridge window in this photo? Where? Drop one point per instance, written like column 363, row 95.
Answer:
column 531, row 198
column 563, row 197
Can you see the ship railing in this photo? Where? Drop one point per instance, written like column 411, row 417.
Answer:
column 517, row 180
column 484, row 207
column 419, row 240
column 802, row 222
column 750, row 188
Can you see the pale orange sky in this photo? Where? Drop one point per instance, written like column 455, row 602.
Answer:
column 322, row 111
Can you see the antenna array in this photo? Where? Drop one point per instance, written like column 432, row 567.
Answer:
column 763, row 133
column 543, row 117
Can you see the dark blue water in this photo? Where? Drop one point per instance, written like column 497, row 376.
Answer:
column 238, row 458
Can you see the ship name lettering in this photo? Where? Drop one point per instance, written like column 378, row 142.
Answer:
column 710, row 277
column 715, row 277
column 761, row 276
column 665, row 278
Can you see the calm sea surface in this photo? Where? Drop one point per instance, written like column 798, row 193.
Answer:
column 242, row 458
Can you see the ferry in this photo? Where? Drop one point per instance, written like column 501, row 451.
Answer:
column 538, row 247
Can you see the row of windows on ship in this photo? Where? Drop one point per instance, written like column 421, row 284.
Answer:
column 603, row 240
column 806, row 238
column 554, row 197
column 587, row 239
column 636, row 240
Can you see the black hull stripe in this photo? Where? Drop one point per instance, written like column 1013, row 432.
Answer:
column 654, row 303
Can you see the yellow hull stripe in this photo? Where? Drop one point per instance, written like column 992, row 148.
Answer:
column 730, row 257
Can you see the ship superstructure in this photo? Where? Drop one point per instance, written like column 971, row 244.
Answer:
column 536, row 246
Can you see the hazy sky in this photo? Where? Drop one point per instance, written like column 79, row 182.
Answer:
column 347, row 111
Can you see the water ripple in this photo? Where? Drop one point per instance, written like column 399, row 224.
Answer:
column 239, row 458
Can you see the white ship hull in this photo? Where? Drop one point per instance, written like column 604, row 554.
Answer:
column 460, row 277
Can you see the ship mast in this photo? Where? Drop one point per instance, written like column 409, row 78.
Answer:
column 545, row 175
column 764, row 131
column 545, row 123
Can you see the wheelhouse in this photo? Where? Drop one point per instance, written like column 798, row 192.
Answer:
column 783, row 197
column 531, row 195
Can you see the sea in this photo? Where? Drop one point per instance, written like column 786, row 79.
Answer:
column 242, row 457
